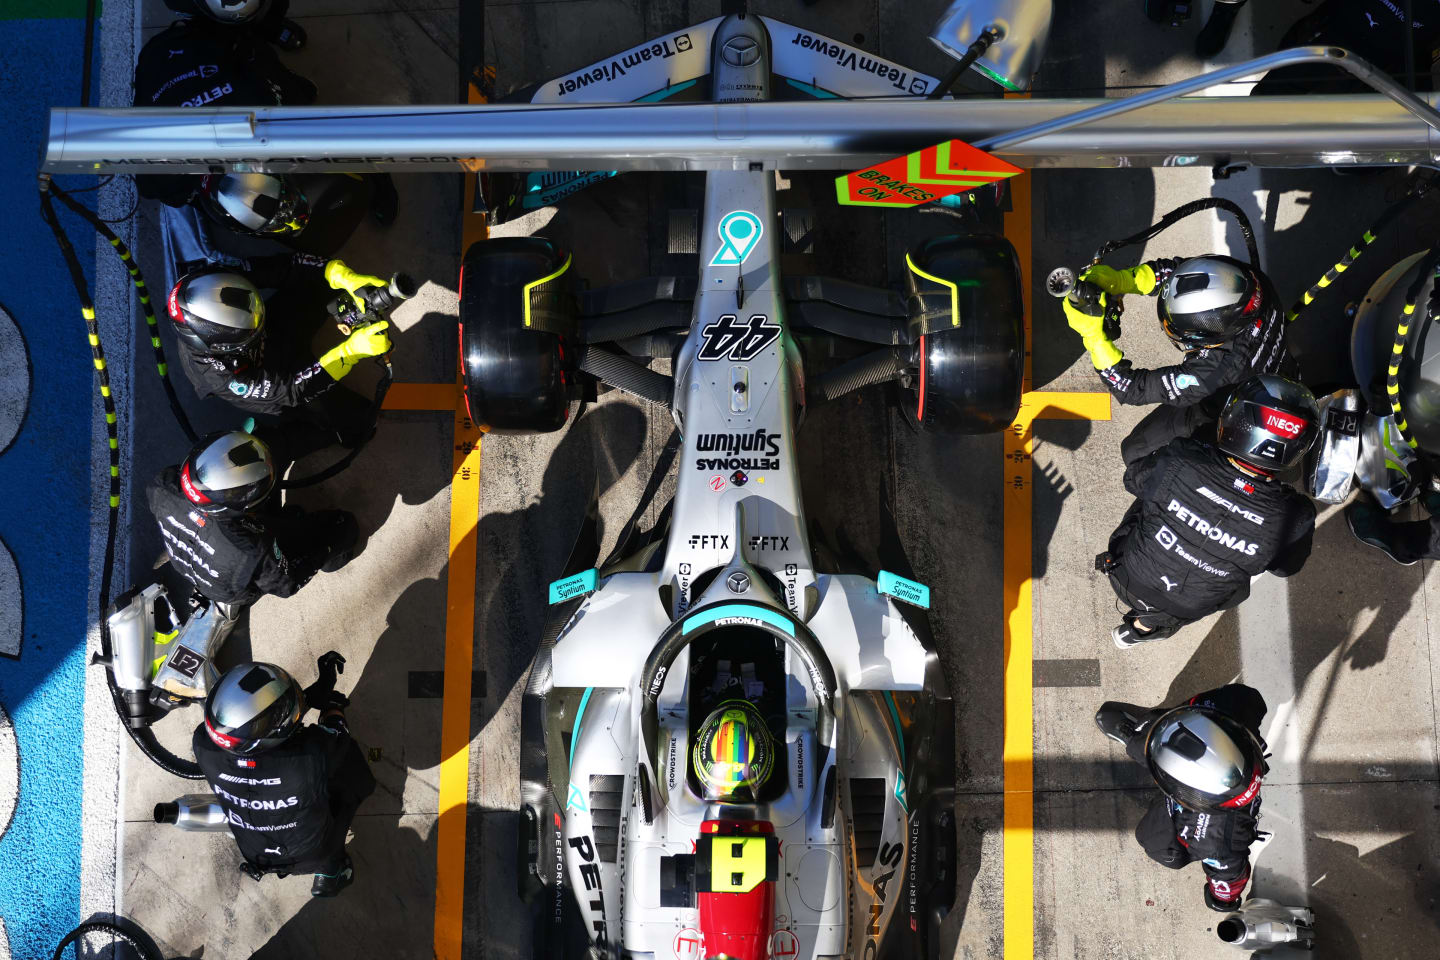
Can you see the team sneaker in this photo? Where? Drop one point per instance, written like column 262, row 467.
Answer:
column 330, row 884
column 1369, row 525
column 289, row 36
column 1126, row 636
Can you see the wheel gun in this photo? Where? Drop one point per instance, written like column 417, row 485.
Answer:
column 1061, row 283
column 379, row 301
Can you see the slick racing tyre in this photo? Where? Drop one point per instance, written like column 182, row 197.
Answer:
column 518, row 324
column 967, row 321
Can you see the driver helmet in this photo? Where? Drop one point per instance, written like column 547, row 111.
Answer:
column 1203, row 759
column 227, row 471
column 222, row 11
column 254, row 707
column 217, row 312
column 1269, row 423
column 1206, row 301
column 734, row 753
column 258, row 204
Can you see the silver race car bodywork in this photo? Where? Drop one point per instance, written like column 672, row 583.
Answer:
column 848, row 850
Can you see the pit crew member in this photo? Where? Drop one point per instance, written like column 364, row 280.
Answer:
column 227, row 349
column 1208, row 758
column 1224, row 315
column 1208, row 516
column 224, row 532
column 290, row 790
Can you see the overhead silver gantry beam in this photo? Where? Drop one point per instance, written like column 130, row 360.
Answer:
column 1394, row 127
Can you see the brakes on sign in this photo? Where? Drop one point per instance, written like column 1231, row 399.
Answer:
column 939, row 171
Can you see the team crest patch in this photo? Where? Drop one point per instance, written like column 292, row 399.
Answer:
column 238, row 388
column 1185, row 380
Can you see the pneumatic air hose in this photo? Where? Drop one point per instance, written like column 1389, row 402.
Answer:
column 144, row 738
column 1403, row 333
column 1416, row 191
column 143, row 949
column 1180, row 213
column 138, row 279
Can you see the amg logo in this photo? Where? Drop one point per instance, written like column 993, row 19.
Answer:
column 769, row 543
column 251, row 781
column 705, row 541
column 1214, row 497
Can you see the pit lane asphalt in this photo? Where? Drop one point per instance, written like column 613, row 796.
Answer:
column 1354, row 791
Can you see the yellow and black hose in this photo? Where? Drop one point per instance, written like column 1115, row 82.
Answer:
column 1403, row 333
column 1416, row 191
column 144, row 737
column 138, row 279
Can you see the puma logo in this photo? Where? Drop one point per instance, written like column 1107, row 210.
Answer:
column 1373, row 24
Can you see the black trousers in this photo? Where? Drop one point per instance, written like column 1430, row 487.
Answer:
column 349, row 788
column 1156, row 834
column 1149, row 618
column 1163, row 424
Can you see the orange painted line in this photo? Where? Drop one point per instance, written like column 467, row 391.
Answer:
column 1018, row 752
column 450, row 834
column 455, row 708
column 423, row 396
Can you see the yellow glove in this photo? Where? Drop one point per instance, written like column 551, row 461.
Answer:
column 1139, row 279
column 1091, row 327
column 340, row 277
column 370, row 341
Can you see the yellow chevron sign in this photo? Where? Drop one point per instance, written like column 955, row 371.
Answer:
column 939, row 171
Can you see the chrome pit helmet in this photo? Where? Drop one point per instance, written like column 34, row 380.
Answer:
column 254, row 707
column 734, row 753
column 257, row 204
column 231, row 11
column 217, row 312
column 1203, row 759
column 1269, row 423
column 227, row 471
column 1206, row 301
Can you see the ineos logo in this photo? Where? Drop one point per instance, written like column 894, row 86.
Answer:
column 1291, row 428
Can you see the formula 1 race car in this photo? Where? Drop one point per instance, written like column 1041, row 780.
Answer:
column 724, row 750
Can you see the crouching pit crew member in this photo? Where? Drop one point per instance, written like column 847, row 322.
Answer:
column 1207, row 757
column 1223, row 314
column 290, row 790
column 229, row 350
column 1208, row 516
column 225, row 533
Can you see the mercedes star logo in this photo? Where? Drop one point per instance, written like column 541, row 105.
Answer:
column 738, row 582
column 740, row 51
